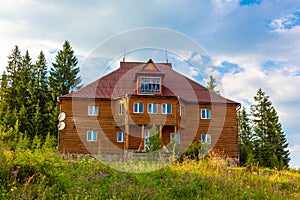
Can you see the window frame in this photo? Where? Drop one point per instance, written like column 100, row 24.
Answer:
column 206, row 138
column 138, row 107
column 181, row 110
column 149, row 81
column 91, row 136
column 94, row 110
column 163, row 110
column 205, row 113
column 146, row 138
column 175, row 137
column 121, row 133
column 152, row 110
column 120, row 109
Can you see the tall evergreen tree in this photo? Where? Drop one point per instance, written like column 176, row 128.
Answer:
column 245, row 136
column 64, row 73
column 211, row 85
column 63, row 79
column 270, row 144
column 14, row 65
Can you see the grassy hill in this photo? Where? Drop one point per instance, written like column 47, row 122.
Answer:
column 42, row 174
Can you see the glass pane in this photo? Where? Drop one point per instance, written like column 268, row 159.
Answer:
column 150, row 109
column 208, row 114
column 178, row 138
column 141, row 107
column 169, row 106
column 203, row 114
column 172, row 136
column 208, row 138
column 94, row 136
column 96, row 110
column 135, row 107
column 163, row 108
column 203, row 138
column 154, row 108
column 89, row 137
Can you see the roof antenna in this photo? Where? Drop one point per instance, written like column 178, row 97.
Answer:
column 166, row 55
column 124, row 54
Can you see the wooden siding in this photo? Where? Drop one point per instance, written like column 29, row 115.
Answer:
column 222, row 126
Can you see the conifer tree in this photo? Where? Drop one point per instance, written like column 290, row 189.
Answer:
column 14, row 65
column 270, row 144
column 64, row 73
column 245, row 136
column 211, row 85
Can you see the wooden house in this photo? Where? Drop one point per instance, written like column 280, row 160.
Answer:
column 115, row 113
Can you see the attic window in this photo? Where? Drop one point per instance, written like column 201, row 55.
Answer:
column 149, row 85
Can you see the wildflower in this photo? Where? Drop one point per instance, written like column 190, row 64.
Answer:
column 15, row 171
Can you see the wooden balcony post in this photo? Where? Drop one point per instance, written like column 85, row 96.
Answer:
column 160, row 131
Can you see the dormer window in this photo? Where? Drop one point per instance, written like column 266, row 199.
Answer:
column 150, row 84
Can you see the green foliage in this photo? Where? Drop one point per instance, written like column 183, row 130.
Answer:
column 155, row 142
column 265, row 141
column 245, row 136
column 211, row 85
column 38, row 173
column 28, row 98
column 64, row 73
column 197, row 151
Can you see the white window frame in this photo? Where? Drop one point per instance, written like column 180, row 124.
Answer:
column 146, row 138
column 151, row 110
column 181, row 110
column 93, row 110
column 91, row 136
column 150, row 80
column 164, row 108
column 120, row 109
column 205, row 138
column 122, row 136
column 205, row 114
column 138, row 107
column 177, row 136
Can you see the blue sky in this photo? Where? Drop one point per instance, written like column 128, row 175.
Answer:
column 252, row 43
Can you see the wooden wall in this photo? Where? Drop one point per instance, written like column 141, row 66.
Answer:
column 222, row 126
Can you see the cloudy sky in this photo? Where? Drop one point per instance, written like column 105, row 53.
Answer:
column 252, row 43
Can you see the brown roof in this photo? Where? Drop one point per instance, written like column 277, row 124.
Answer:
column 122, row 82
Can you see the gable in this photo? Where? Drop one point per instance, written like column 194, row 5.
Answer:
column 150, row 67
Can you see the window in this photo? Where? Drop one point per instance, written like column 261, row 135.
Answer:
column 206, row 138
column 93, row 110
column 152, row 108
column 150, row 85
column 91, row 136
column 205, row 113
column 120, row 109
column 181, row 110
column 166, row 108
column 138, row 107
column 177, row 136
column 146, row 139
column 120, row 137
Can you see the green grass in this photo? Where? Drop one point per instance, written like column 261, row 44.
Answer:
column 45, row 175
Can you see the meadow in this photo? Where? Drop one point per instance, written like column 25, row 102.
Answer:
column 35, row 171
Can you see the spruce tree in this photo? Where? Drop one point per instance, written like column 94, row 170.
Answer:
column 270, row 144
column 245, row 136
column 211, row 85
column 63, row 79
column 64, row 73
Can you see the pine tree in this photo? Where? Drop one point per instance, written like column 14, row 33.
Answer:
column 211, row 85
column 64, row 73
column 245, row 136
column 270, row 144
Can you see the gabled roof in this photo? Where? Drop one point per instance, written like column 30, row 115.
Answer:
column 122, row 82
